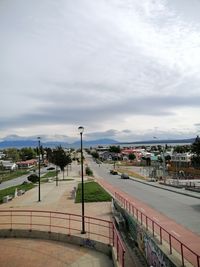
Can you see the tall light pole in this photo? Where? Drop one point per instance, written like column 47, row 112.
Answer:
column 81, row 129
column 39, row 170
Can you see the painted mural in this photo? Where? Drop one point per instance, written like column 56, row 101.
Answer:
column 148, row 247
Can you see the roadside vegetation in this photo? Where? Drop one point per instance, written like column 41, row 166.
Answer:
column 11, row 190
column 93, row 192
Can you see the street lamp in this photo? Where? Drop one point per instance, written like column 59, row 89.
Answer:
column 39, row 170
column 81, row 129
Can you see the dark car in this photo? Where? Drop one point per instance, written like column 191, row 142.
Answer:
column 113, row 172
column 124, row 176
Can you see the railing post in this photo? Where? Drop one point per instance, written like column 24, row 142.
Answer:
column 160, row 235
column 182, row 257
column 50, row 223
column 153, row 227
column 170, row 244
column 123, row 258
column 141, row 217
column 117, row 248
column 30, row 222
column 69, row 231
column 198, row 259
column 146, row 223
column 11, row 220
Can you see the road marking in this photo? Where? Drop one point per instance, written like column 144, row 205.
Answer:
column 175, row 233
column 155, row 219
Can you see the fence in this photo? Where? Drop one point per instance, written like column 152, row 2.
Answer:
column 69, row 224
column 160, row 233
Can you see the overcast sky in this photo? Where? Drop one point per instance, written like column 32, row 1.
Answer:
column 124, row 69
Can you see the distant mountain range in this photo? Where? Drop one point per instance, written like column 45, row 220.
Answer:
column 34, row 143
column 19, row 142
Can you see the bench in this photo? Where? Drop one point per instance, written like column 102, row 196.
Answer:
column 7, row 198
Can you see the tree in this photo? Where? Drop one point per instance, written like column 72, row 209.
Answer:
column 27, row 153
column 61, row 159
column 13, row 154
column 95, row 154
column 195, row 148
column 115, row 149
column 131, row 156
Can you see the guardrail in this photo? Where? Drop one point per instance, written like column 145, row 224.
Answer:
column 66, row 223
column 159, row 232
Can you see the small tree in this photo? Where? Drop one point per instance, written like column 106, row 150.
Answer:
column 61, row 159
column 131, row 156
column 195, row 148
column 115, row 149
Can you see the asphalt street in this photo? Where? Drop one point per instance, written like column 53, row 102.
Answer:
column 183, row 209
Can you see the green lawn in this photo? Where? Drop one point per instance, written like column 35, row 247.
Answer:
column 93, row 192
column 11, row 190
column 49, row 174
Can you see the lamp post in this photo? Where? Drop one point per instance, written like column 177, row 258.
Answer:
column 81, row 129
column 39, row 170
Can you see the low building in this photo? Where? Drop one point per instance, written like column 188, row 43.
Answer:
column 8, row 165
column 27, row 164
column 181, row 159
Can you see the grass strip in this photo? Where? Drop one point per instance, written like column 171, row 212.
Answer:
column 11, row 190
column 93, row 192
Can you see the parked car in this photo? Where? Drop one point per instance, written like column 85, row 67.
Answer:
column 124, row 176
column 113, row 172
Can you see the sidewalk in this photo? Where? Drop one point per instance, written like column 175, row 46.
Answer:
column 17, row 252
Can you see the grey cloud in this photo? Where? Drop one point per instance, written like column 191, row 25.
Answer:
column 75, row 114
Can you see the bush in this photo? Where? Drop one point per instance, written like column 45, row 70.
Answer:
column 33, row 178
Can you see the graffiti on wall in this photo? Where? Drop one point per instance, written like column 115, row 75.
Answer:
column 140, row 240
column 155, row 257
column 148, row 247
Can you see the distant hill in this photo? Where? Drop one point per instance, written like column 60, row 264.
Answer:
column 34, row 143
column 11, row 142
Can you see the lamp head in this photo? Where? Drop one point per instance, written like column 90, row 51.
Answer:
column 80, row 129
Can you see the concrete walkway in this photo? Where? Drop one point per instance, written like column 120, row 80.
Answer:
column 23, row 252
column 40, row 253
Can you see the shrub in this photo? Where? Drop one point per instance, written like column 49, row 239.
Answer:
column 33, row 178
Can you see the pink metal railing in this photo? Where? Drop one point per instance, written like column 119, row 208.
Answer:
column 60, row 222
column 159, row 232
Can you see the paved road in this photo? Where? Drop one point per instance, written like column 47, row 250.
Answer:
column 182, row 209
column 18, row 180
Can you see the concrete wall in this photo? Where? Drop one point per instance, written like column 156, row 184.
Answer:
column 152, row 251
